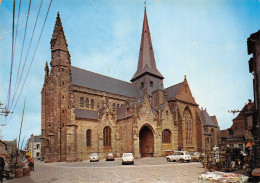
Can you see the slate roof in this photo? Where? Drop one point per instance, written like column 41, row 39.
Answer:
column 86, row 114
column 121, row 112
column 161, row 107
column 37, row 138
column 207, row 120
column 146, row 62
column 100, row 82
column 173, row 90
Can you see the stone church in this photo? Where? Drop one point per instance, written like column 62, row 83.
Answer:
column 85, row 112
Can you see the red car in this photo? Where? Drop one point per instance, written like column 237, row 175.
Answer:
column 110, row 157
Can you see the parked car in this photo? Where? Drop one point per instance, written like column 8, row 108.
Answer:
column 179, row 156
column 94, row 157
column 127, row 158
column 195, row 156
column 110, row 156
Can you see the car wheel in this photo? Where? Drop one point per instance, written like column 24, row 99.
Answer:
column 168, row 159
column 133, row 163
column 182, row 160
column 122, row 163
column 196, row 160
column 188, row 161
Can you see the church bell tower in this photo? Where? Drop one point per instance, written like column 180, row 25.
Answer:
column 147, row 76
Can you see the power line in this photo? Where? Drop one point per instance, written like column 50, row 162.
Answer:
column 20, row 78
column 33, row 55
column 28, row 14
column 4, row 35
column 16, row 37
column 11, row 69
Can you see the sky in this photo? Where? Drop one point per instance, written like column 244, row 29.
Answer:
column 206, row 40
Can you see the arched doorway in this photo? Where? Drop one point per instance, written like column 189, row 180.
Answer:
column 146, row 142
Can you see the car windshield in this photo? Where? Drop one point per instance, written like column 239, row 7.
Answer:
column 128, row 155
column 94, row 154
column 110, row 154
column 186, row 153
column 197, row 153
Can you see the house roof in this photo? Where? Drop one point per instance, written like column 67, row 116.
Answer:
column 86, row 114
column 241, row 113
column 173, row 90
column 100, row 82
column 37, row 138
column 207, row 120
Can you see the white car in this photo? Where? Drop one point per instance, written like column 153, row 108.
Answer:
column 94, row 157
column 127, row 158
column 179, row 156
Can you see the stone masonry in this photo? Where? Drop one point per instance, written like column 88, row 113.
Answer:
column 84, row 112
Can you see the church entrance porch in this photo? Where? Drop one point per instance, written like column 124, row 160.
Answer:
column 146, row 142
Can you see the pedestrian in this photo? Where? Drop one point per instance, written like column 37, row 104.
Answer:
column 2, row 167
column 202, row 156
column 30, row 163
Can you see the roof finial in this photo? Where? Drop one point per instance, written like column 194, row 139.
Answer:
column 145, row 4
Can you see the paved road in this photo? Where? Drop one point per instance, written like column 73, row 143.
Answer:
column 144, row 170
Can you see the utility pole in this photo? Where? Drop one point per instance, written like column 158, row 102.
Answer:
column 81, row 139
column 4, row 111
column 234, row 111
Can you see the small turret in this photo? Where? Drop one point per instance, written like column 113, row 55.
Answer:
column 46, row 71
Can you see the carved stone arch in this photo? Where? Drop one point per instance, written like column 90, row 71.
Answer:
column 146, row 140
column 188, row 126
column 149, row 126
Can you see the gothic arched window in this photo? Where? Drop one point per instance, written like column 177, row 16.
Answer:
column 212, row 137
column 107, row 136
column 114, row 106
column 166, row 136
column 188, row 126
column 88, row 136
column 81, row 102
column 92, row 103
column 87, row 103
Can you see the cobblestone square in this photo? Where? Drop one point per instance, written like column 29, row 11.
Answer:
column 144, row 170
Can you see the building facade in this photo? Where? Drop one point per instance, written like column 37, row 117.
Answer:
column 239, row 134
column 85, row 112
column 253, row 47
column 34, row 146
column 211, row 130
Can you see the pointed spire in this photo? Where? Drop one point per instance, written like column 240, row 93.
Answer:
column 58, row 40
column 146, row 62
